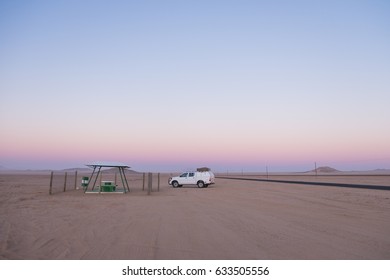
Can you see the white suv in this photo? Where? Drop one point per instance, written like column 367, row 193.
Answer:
column 200, row 178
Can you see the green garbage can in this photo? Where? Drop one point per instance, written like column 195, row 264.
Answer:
column 107, row 186
column 84, row 182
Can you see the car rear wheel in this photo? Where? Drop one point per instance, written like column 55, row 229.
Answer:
column 200, row 184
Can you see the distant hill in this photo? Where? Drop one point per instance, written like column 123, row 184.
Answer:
column 105, row 170
column 324, row 169
column 78, row 169
column 114, row 170
column 327, row 169
column 381, row 170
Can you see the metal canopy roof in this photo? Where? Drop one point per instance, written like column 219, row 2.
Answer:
column 108, row 164
column 98, row 165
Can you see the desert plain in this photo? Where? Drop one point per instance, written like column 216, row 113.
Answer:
column 231, row 219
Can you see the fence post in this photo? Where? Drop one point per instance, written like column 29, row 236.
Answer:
column 143, row 181
column 150, row 178
column 75, row 179
column 66, row 175
column 51, row 183
column 158, row 182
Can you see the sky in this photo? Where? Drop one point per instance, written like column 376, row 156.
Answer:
column 174, row 85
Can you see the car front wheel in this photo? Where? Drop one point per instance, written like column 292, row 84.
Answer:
column 175, row 184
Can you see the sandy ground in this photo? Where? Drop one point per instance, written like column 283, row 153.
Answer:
column 229, row 220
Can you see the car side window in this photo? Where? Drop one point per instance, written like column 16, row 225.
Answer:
column 184, row 175
column 191, row 175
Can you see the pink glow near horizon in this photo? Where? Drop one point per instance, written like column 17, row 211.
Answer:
column 195, row 86
column 215, row 150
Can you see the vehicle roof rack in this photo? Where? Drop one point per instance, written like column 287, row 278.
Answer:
column 203, row 169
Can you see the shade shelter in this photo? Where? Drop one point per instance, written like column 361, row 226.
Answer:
column 97, row 168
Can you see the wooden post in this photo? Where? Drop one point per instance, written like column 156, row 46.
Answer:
column 66, row 175
column 315, row 168
column 75, row 180
column 150, row 178
column 266, row 169
column 143, row 181
column 51, row 183
column 158, row 182
column 115, row 180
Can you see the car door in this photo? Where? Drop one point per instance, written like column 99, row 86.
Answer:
column 191, row 178
column 183, row 178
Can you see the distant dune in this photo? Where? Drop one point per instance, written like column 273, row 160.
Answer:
column 79, row 169
column 331, row 170
column 381, row 170
column 325, row 169
column 106, row 170
column 114, row 170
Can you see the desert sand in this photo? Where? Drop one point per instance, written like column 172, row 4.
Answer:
column 229, row 220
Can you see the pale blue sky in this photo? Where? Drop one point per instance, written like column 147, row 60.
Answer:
column 279, row 83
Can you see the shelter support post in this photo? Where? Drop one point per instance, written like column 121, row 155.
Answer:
column 124, row 179
column 127, row 184
column 90, row 180
column 97, row 177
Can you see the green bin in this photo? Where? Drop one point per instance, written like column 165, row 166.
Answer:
column 108, row 188
column 84, row 182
